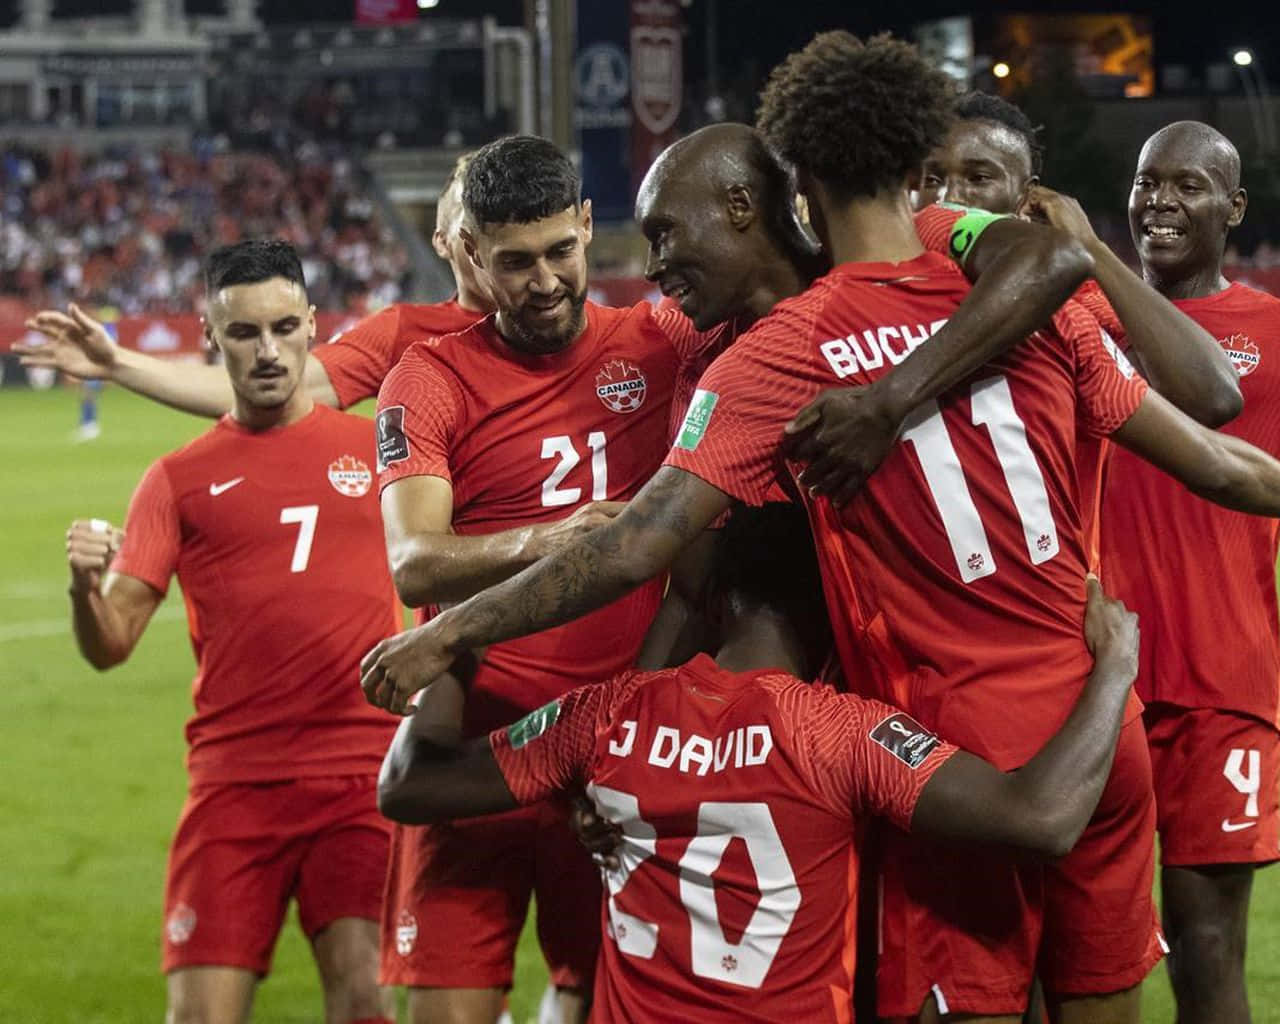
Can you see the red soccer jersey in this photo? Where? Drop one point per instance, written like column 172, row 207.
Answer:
column 1201, row 577
column 527, row 439
column 358, row 359
column 955, row 581
column 277, row 543
column 738, row 798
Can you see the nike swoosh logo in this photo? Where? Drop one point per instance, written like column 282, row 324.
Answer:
column 216, row 489
column 1233, row 826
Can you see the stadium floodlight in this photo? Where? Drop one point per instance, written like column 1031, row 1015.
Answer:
column 1000, row 69
column 426, row 5
column 1243, row 58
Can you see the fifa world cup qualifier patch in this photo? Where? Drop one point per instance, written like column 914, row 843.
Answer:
column 905, row 738
column 696, row 419
column 533, row 725
column 393, row 446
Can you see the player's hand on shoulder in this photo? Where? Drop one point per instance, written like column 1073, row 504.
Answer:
column 91, row 545
column 401, row 665
column 1059, row 211
column 1110, row 629
column 74, row 343
column 841, row 437
column 600, row 836
column 588, row 517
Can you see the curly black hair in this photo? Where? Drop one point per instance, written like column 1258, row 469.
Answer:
column 983, row 106
column 857, row 116
column 518, row 179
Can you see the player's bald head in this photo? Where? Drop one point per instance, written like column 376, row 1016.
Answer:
column 1194, row 144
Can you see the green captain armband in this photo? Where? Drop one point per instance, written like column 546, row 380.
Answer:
column 968, row 229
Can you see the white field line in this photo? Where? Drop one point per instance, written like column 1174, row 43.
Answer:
column 52, row 627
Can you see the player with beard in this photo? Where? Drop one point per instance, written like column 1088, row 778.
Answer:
column 1212, row 703
column 722, row 769
column 270, row 523
column 347, row 370
column 926, row 586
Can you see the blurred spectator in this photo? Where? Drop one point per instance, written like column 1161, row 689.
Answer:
column 131, row 228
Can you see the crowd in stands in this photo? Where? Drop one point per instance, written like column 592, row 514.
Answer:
column 130, row 229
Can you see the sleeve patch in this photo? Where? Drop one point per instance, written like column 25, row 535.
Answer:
column 393, row 445
column 1120, row 358
column 967, row 230
column 533, row 725
column 696, row 419
column 905, row 738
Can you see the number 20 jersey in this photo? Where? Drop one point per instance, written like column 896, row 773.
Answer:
column 526, row 439
column 739, row 798
column 955, row 580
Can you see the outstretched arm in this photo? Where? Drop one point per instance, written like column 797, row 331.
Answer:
column 1045, row 805
column 1218, row 467
column 1178, row 356
column 1022, row 273
column 76, row 344
column 585, row 574
column 430, row 773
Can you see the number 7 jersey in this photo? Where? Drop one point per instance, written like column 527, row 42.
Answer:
column 955, row 580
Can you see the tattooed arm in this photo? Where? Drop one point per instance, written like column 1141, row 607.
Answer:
column 669, row 512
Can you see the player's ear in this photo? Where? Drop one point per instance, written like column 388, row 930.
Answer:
column 741, row 206
column 311, row 325
column 439, row 242
column 1239, row 200
column 584, row 223
column 210, row 341
column 470, row 244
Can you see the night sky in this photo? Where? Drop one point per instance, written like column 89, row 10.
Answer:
column 763, row 31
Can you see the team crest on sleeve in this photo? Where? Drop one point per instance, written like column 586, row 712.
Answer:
column 1243, row 352
column 621, row 386
column 350, row 476
column 905, row 738
column 406, row 933
column 393, row 445
column 181, row 925
column 533, row 725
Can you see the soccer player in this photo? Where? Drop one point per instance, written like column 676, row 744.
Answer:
column 270, row 523
column 969, row 535
column 1210, row 664
column 342, row 373
column 740, row 791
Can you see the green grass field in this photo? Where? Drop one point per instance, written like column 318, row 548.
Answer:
column 92, row 764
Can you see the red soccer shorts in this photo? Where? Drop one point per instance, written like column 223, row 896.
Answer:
column 458, row 894
column 1217, row 783
column 972, row 926
column 243, row 850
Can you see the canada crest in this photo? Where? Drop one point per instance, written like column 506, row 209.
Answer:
column 350, row 476
column 621, row 386
column 1243, row 353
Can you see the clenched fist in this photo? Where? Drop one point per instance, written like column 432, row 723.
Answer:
column 91, row 545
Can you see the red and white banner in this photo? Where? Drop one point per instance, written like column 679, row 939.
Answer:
column 385, row 12
column 657, row 80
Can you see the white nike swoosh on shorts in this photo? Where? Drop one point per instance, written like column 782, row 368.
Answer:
column 216, row 489
column 1234, row 826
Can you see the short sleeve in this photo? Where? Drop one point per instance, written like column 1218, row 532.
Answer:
column 732, row 433
column 152, row 534
column 933, row 225
column 1094, row 302
column 953, row 230
column 1108, row 388
column 419, row 411
column 867, row 757
column 359, row 359
column 551, row 749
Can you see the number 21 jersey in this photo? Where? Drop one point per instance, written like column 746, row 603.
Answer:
column 955, row 580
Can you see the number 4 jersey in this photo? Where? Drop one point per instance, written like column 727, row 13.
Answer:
column 955, row 580
column 525, row 439
column 738, row 796
column 276, row 540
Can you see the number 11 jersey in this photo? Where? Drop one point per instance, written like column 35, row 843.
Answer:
column 955, row 580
